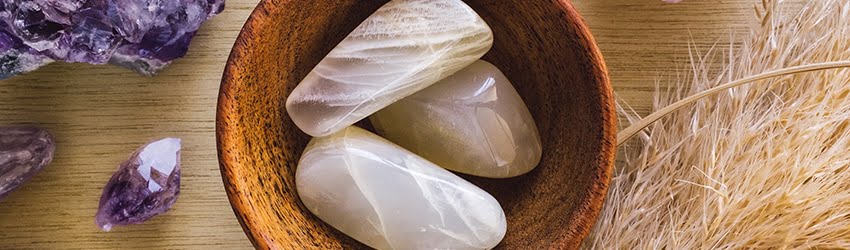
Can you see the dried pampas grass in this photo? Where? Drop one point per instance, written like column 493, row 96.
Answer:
column 762, row 165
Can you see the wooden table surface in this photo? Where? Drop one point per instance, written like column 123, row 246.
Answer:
column 100, row 114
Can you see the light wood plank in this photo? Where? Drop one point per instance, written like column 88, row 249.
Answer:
column 101, row 114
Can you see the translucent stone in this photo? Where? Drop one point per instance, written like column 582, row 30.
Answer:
column 402, row 48
column 472, row 122
column 389, row 198
column 144, row 186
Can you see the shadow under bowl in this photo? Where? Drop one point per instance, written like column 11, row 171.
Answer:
column 543, row 47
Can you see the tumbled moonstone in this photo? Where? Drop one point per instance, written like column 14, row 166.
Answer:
column 144, row 186
column 24, row 151
column 402, row 48
column 472, row 122
column 389, row 198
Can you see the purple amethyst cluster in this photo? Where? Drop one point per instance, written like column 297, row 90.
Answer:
column 143, row 35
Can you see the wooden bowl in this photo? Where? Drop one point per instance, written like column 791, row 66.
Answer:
column 544, row 48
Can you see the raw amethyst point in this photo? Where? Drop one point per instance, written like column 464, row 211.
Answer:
column 24, row 151
column 144, row 186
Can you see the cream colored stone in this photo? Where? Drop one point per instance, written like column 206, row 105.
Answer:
column 389, row 198
column 472, row 122
column 402, row 48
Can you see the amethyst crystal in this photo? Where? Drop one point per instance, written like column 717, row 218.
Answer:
column 24, row 151
column 143, row 35
column 144, row 186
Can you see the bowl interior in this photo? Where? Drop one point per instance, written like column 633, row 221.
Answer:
column 542, row 46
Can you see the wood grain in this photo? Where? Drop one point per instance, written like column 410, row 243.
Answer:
column 558, row 71
column 99, row 115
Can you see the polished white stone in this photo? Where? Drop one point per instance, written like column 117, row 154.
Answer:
column 402, row 48
column 388, row 198
column 472, row 122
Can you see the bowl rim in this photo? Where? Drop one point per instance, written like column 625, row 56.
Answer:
column 591, row 208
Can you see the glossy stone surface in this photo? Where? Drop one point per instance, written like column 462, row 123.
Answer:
column 388, row 198
column 24, row 151
column 402, row 48
column 472, row 122
column 144, row 186
column 143, row 35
